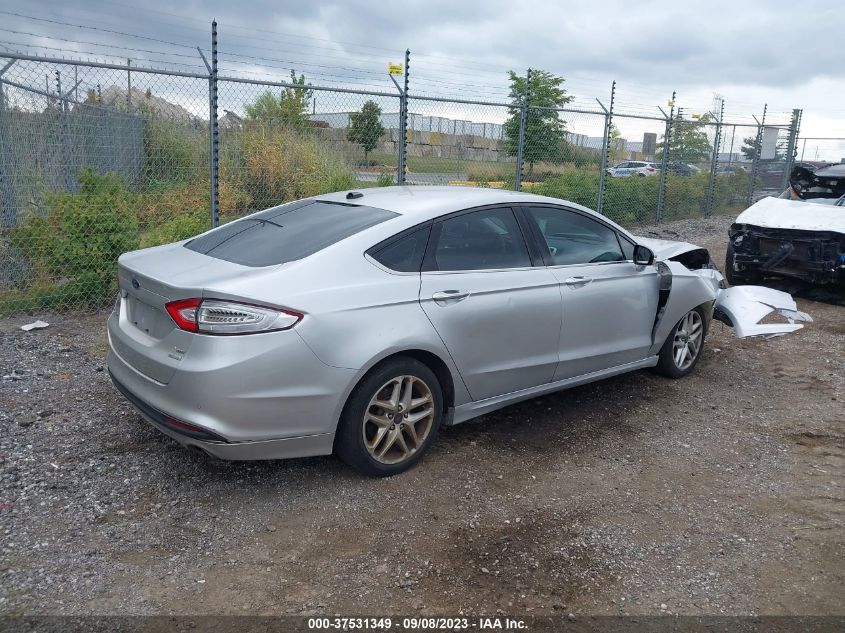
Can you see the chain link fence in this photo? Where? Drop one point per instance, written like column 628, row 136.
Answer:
column 98, row 159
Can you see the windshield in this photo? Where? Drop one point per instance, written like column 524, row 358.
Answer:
column 287, row 232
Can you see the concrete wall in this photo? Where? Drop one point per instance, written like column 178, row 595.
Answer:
column 424, row 144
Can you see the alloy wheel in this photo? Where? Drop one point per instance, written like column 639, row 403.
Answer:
column 398, row 419
column 688, row 338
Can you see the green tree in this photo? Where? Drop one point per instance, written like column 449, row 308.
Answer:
column 544, row 130
column 750, row 147
column 365, row 127
column 291, row 108
column 689, row 142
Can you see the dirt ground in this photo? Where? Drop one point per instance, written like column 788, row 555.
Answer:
column 721, row 493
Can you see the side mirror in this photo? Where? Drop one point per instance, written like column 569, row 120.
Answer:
column 643, row 256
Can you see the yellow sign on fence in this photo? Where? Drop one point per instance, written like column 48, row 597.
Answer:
column 394, row 69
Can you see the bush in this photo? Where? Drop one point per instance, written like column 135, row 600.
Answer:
column 283, row 164
column 173, row 151
column 633, row 200
column 385, row 179
column 180, row 212
column 76, row 245
column 487, row 173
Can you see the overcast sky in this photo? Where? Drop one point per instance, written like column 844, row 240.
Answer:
column 751, row 52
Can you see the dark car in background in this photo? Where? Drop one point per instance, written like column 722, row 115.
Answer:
column 682, row 169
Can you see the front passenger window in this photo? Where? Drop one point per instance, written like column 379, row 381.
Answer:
column 573, row 238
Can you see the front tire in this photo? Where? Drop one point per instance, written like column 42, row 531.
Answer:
column 682, row 349
column 391, row 418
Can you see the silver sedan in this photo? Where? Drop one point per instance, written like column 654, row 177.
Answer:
column 361, row 322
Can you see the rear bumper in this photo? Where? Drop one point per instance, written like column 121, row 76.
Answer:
column 261, row 396
column 305, row 446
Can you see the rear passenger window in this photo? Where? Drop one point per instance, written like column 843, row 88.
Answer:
column 482, row 240
column 404, row 255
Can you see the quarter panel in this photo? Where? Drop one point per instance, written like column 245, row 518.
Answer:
column 358, row 324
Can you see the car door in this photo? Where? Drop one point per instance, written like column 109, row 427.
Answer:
column 621, row 169
column 609, row 303
column 498, row 315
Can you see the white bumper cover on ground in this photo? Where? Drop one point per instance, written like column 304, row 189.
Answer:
column 746, row 306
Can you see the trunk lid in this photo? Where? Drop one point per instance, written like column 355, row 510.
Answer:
column 141, row 331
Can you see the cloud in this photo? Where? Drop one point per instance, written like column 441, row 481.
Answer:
column 751, row 52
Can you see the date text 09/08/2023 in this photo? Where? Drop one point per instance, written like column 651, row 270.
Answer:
column 417, row 624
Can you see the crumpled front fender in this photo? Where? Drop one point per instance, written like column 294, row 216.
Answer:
column 743, row 307
column 740, row 307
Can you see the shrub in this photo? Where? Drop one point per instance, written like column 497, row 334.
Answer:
column 580, row 187
column 385, row 179
column 487, row 173
column 634, row 200
column 180, row 212
column 79, row 240
column 173, row 151
column 283, row 164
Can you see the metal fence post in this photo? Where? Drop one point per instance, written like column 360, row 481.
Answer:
column 403, row 124
column 664, row 163
column 8, row 206
column 794, row 126
column 520, row 148
column 213, row 129
column 714, row 161
column 605, row 146
column 68, row 176
column 755, row 161
column 128, row 85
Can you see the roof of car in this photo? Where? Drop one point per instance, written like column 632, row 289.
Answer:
column 433, row 201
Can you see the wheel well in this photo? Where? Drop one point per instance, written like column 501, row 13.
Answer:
column 435, row 364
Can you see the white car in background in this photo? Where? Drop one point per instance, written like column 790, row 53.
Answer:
column 634, row 168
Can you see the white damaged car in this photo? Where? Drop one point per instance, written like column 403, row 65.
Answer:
column 799, row 235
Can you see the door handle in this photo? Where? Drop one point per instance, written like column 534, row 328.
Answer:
column 450, row 296
column 578, row 281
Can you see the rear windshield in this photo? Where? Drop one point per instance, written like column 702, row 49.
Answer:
column 287, row 233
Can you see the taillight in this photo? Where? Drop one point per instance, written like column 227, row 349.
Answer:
column 649, row 168
column 217, row 316
column 184, row 313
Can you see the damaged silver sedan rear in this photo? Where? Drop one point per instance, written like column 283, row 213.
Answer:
column 361, row 322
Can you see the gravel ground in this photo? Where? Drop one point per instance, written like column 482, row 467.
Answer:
column 718, row 494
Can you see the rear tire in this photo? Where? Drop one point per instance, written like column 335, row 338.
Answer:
column 391, row 418
column 688, row 334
